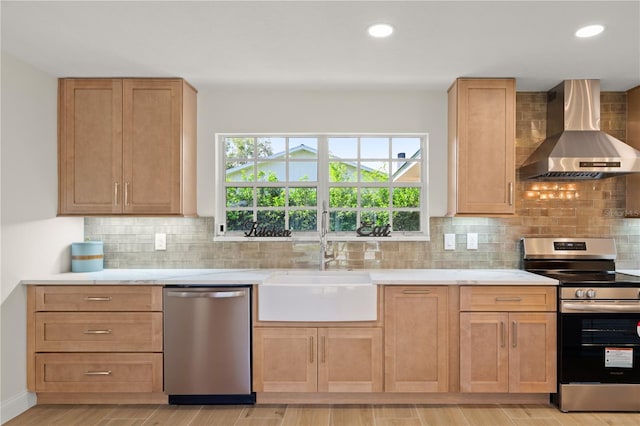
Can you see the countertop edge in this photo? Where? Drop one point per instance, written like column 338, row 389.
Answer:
column 230, row 277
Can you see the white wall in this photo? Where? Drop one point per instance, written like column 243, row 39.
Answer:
column 34, row 241
column 296, row 110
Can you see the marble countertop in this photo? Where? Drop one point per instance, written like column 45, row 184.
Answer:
column 257, row 276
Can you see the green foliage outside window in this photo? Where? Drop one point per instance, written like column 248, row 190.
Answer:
column 376, row 203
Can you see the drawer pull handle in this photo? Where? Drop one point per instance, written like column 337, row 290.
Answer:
column 107, row 331
column 206, row 294
column 508, row 299
column 510, row 193
column 98, row 298
column 416, row 291
column 97, row 373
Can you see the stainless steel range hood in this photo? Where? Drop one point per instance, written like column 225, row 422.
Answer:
column 576, row 148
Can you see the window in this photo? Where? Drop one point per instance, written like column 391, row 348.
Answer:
column 271, row 183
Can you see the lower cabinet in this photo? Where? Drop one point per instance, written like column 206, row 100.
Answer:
column 507, row 350
column 416, row 339
column 311, row 359
column 95, row 343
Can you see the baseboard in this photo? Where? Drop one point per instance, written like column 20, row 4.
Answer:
column 16, row 405
column 400, row 398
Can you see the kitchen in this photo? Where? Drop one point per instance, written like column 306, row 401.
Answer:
column 29, row 203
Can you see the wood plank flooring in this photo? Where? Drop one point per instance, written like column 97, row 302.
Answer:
column 315, row 415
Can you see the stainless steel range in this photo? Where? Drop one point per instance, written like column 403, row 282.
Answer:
column 598, row 323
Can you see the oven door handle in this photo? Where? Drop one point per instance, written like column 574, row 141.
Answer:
column 567, row 307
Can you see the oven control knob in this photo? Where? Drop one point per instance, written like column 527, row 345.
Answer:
column 580, row 293
column 591, row 293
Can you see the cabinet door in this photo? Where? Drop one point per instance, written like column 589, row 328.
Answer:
column 152, row 132
column 532, row 352
column 350, row 360
column 90, row 146
column 484, row 354
column 416, row 339
column 633, row 138
column 285, row 360
column 483, row 146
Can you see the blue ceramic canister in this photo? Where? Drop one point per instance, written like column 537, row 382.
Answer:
column 87, row 256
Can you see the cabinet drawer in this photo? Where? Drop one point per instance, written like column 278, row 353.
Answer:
column 99, row 372
column 98, row 298
column 507, row 298
column 98, row 332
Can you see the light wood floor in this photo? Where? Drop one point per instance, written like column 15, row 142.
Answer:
column 315, row 415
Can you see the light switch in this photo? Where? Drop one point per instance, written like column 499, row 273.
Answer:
column 161, row 241
column 449, row 241
column 472, row 241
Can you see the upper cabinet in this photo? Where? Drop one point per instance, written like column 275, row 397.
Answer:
column 126, row 146
column 633, row 139
column 481, row 127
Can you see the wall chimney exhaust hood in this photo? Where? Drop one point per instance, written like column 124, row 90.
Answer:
column 576, row 148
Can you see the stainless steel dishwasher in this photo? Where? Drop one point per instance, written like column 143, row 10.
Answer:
column 207, row 345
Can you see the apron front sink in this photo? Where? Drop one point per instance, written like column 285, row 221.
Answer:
column 318, row 296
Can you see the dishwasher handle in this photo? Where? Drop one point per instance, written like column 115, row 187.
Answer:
column 207, row 294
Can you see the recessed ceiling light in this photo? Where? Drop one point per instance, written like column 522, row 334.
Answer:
column 589, row 31
column 380, row 30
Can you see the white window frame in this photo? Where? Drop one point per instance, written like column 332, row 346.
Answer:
column 322, row 189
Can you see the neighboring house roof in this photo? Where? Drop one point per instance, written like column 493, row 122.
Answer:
column 302, row 148
column 407, row 172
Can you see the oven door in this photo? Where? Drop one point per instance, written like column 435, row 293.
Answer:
column 599, row 347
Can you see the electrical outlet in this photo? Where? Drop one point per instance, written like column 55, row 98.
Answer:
column 161, row 241
column 472, row 241
column 449, row 241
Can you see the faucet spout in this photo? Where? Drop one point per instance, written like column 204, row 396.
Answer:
column 324, row 230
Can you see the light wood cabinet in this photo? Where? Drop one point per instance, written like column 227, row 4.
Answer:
column 416, row 339
column 95, row 372
column 126, row 146
column 99, row 332
column 317, row 359
column 111, row 298
column 507, row 339
column 481, row 146
column 83, row 340
column 633, row 138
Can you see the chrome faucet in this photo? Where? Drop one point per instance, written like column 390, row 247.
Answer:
column 324, row 230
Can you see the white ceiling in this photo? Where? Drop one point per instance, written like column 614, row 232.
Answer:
column 324, row 43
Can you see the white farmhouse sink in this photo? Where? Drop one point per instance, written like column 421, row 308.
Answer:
column 318, row 296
